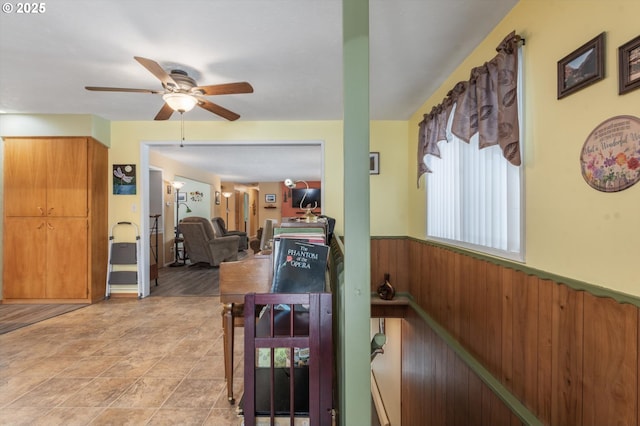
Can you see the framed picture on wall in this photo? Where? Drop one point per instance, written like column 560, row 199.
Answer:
column 374, row 163
column 270, row 198
column 182, row 197
column 629, row 66
column 124, row 179
column 582, row 67
column 217, row 197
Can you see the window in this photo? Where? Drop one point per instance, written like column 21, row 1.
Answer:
column 475, row 197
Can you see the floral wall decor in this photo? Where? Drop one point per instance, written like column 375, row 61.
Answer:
column 196, row 196
column 610, row 158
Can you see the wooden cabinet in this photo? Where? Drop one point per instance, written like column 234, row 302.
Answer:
column 55, row 225
column 46, row 177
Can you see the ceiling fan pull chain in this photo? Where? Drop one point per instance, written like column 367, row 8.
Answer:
column 181, row 129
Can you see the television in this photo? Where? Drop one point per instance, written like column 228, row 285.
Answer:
column 313, row 197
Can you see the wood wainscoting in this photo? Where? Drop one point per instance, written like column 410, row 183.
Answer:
column 570, row 356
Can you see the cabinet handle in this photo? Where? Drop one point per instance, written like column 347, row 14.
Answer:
column 49, row 226
column 41, row 211
column 41, row 225
column 50, row 211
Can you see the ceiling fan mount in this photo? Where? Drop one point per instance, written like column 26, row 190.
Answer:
column 184, row 82
column 178, row 82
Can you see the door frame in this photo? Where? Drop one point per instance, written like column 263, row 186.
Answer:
column 145, row 146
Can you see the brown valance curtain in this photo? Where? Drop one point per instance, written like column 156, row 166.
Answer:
column 486, row 104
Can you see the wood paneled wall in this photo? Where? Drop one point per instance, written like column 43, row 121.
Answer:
column 568, row 356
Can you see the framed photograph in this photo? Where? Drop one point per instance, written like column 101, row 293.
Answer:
column 629, row 66
column 217, row 197
column 182, row 197
column 374, row 163
column 270, row 198
column 582, row 67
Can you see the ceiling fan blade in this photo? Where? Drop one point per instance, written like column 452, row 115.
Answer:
column 164, row 113
column 121, row 89
column 157, row 70
column 217, row 109
column 226, row 89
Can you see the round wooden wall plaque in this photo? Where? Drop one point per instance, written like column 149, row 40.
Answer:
column 610, row 158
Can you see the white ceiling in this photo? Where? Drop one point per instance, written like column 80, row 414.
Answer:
column 289, row 50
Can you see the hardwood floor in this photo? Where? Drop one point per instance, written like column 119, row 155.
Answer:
column 189, row 280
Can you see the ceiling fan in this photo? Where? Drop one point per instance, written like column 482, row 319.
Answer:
column 181, row 93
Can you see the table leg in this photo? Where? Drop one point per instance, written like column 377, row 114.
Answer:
column 227, row 326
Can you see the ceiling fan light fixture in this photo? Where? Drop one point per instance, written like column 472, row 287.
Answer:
column 180, row 102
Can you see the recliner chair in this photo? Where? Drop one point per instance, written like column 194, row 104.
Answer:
column 220, row 229
column 203, row 245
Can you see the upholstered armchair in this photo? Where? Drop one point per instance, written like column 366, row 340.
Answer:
column 220, row 230
column 203, row 245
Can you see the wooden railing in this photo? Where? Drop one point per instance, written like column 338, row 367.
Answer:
column 567, row 351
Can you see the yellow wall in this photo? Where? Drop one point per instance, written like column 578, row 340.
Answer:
column 571, row 229
column 388, row 137
column 126, row 138
column 388, row 189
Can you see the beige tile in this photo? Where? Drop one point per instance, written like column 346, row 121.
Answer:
column 223, row 417
column 91, row 366
column 82, row 347
column 123, row 417
column 118, row 362
column 12, row 388
column 195, row 393
column 208, row 367
column 196, row 347
column 20, row 416
column 147, row 392
column 101, row 392
column 117, row 347
column 177, row 416
column 172, row 366
column 63, row 416
column 130, row 367
column 50, row 393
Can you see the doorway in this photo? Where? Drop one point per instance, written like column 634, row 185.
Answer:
column 298, row 159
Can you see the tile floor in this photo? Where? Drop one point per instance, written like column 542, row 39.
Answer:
column 155, row 361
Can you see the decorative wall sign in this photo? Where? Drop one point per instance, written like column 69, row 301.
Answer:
column 124, row 179
column 610, row 158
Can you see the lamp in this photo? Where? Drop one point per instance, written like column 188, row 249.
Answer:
column 308, row 215
column 178, row 185
column 227, row 195
column 180, row 102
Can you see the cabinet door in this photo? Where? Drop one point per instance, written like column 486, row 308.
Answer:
column 67, row 264
column 67, row 177
column 25, row 177
column 25, row 261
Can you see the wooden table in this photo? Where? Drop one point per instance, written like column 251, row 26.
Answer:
column 237, row 279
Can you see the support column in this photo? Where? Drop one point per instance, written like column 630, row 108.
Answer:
column 355, row 401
